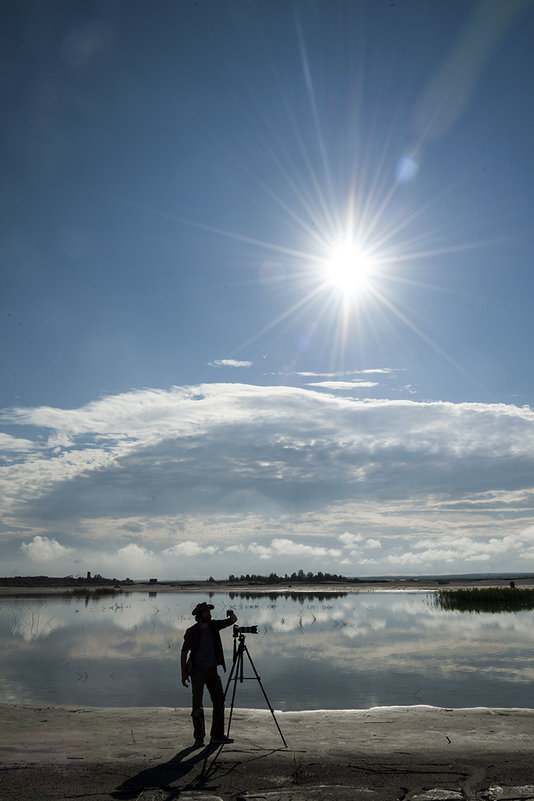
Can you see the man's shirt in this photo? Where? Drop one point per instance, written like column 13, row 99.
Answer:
column 206, row 655
column 192, row 640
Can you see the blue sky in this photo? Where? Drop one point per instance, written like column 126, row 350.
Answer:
column 267, row 287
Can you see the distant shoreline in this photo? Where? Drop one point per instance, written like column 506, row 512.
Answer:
column 209, row 587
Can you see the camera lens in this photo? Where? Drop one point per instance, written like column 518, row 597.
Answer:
column 245, row 630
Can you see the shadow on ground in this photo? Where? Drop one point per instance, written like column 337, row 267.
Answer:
column 202, row 770
column 166, row 774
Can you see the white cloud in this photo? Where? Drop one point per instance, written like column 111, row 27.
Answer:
column 130, row 560
column 344, row 373
column 308, row 374
column 288, row 548
column 350, row 540
column 59, row 441
column 395, row 554
column 188, row 548
column 236, row 471
column 371, row 543
column 133, row 552
column 379, row 370
column 43, row 549
column 230, row 363
column 356, row 544
column 14, row 444
column 343, row 384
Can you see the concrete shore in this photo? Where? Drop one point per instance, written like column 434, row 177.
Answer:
column 418, row 753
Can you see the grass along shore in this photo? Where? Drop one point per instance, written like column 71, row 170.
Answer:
column 486, row 599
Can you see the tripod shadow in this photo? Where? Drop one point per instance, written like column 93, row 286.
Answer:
column 163, row 775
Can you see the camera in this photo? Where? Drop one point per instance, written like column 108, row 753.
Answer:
column 245, row 630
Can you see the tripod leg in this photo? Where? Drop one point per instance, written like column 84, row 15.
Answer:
column 235, row 671
column 232, row 670
column 264, row 695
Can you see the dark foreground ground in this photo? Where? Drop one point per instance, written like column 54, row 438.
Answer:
column 414, row 753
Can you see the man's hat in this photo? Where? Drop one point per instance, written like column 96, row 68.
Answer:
column 202, row 607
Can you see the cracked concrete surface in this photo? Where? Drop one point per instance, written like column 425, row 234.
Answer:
column 414, row 753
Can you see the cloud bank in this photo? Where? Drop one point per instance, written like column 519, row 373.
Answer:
column 232, row 478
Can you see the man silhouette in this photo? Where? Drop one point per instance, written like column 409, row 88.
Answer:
column 202, row 642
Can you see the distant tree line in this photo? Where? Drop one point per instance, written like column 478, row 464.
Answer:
column 60, row 581
column 300, row 576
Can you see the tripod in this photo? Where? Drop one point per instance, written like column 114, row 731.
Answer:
column 236, row 674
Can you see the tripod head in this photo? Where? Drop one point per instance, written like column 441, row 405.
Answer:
column 239, row 635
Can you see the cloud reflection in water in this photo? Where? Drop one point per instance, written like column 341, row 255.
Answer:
column 350, row 651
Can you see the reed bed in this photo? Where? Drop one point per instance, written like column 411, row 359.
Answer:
column 486, row 599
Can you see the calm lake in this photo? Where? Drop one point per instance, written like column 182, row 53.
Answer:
column 352, row 650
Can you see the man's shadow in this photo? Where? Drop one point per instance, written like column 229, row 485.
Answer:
column 164, row 775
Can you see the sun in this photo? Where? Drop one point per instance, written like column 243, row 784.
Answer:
column 348, row 269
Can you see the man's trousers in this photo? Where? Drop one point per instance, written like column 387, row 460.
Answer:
column 210, row 679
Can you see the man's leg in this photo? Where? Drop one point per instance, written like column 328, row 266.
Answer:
column 197, row 713
column 214, row 685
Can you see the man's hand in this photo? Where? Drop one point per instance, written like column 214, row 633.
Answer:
column 183, row 665
column 231, row 614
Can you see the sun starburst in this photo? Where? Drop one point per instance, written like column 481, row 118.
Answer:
column 348, row 269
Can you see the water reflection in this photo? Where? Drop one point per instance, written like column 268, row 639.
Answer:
column 301, row 597
column 312, row 652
